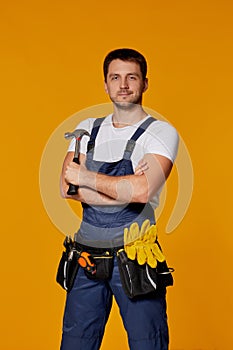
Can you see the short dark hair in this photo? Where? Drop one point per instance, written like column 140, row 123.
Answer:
column 125, row 55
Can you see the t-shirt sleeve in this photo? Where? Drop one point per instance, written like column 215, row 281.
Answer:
column 163, row 139
column 86, row 125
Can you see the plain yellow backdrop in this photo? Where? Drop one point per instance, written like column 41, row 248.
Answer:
column 51, row 67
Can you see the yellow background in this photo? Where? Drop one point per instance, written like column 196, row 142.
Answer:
column 51, row 57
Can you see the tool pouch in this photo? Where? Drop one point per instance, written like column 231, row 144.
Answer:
column 68, row 265
column 103, row 261
column 102, row 258
column 140, row 280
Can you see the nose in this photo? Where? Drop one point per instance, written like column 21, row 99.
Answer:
column 124, row 83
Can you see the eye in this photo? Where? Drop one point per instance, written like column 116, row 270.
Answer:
column 114, row 77
column 132, row 77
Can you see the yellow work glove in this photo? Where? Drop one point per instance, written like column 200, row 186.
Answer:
column 140, row 244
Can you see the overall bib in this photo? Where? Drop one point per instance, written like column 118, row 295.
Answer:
column 89, row 302
column 103, row 226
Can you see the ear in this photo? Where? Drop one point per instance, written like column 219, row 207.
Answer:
column 145, row 84
column 105, row 87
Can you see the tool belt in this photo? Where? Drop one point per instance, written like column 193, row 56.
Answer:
column 137, row 280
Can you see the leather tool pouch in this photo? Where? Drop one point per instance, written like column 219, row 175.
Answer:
column 68, row 265
column 140, row 280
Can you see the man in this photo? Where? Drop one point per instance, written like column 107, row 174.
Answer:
column 122, row 169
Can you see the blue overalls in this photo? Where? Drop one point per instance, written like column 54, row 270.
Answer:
column 89, row 302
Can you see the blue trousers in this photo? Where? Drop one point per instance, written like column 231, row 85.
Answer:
column 88, row 306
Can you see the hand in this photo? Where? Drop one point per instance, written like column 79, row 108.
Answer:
column 140, row 244
column 141, row 167
column 72, row 173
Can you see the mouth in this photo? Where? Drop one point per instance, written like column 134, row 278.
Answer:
column 124, row 94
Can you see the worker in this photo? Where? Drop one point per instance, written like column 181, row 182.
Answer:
column 122, row 168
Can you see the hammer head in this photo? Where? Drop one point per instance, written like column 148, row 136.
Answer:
column 77, row 134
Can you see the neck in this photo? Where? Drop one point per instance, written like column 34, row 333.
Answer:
column 127, row 116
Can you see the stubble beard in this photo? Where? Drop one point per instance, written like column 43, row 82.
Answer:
column 125, row 105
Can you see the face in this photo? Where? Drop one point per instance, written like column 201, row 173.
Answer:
column 124, row 84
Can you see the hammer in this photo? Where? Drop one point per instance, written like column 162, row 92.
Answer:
column 77, row 134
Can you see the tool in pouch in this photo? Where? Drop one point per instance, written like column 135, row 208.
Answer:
column 103, row 260
column 71, row 260
column 142, row 265
column 68, row 265
column 86, row 261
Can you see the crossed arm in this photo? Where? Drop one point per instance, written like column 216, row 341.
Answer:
column 101, row 189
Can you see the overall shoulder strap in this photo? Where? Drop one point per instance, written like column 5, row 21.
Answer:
column 140, row 130
column 94, row 132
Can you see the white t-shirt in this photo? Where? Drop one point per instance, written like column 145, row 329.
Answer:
column 159, row 138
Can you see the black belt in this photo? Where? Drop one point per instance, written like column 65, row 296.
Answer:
column 95, row 250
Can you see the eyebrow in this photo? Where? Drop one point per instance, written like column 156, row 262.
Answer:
column 133, row 73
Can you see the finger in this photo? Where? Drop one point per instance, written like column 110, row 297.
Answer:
column 134, row 231
column 152, row 234
column 141, row 168
column 71, row 175
column 138, row 172
column 151, row 259
column 142, row 162
column 141, row 255
column 73, row 165
column 145, row 227
column 131, row 252
column 152, row 262
column 126, row 236
column 157, row 253
column 66, row 174
column 144, row 166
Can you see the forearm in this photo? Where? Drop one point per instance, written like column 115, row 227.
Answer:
column 90, row 196
column 123, row 189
